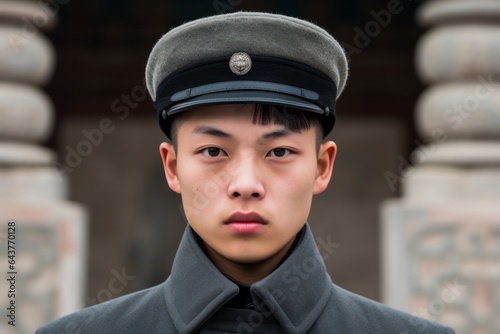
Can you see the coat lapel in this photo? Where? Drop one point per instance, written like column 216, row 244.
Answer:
column 295, row 293
column 196, row 289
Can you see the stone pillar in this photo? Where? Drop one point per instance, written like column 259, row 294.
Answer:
column 42, row 235
column 442, row 238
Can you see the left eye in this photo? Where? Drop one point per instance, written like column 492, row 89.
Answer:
column 279, row 152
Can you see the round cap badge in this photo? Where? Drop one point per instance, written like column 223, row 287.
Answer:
column 240, row 63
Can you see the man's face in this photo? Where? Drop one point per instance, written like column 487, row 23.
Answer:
column 246, row 188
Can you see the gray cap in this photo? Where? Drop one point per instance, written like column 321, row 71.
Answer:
column 246, row 57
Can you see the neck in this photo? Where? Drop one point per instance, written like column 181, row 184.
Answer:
column 247, row 273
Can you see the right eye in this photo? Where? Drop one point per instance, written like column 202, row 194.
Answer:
column 213, row 152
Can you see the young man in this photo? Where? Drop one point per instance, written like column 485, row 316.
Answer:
column 246, row 100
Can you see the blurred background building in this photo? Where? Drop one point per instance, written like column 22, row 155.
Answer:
column 105, row 138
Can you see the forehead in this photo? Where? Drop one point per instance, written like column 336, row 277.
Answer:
column 229, row 116
column 236, row 120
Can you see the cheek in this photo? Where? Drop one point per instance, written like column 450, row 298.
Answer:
column 295, row 190
column 199, row 185
column 189, row 173
column 303, row 176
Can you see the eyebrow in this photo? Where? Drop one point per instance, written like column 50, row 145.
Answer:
column 276, row 134
column 208, row 130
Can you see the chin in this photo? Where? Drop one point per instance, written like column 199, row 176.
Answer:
column 248, row 258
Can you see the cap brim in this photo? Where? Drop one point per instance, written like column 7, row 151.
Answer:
column 247, row 96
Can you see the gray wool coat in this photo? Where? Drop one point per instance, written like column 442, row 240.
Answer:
column 297, row 298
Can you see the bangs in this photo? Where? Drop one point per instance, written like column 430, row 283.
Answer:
column 292, row 119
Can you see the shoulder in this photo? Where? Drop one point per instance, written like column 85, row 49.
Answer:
column 134, row 313
column 353, row 313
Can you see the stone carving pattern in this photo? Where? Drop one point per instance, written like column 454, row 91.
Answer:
column 455, row 275
column 36, row 266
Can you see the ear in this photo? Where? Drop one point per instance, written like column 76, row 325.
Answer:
column 326, row 158
column 169, row 160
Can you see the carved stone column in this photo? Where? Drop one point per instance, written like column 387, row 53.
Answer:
column 442, row 238
column 42, row 235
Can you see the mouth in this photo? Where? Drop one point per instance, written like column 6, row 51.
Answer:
column 245, row 223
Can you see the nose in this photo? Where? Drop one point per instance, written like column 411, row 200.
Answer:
column 246, row 180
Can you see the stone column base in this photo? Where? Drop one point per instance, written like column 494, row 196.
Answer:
column 47, row 255
column 442, row 261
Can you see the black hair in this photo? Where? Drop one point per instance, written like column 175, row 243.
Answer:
column 295, row 120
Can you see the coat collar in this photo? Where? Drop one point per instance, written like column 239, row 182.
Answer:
column 296, row 292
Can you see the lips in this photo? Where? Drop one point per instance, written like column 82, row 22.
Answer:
column 245, row 223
